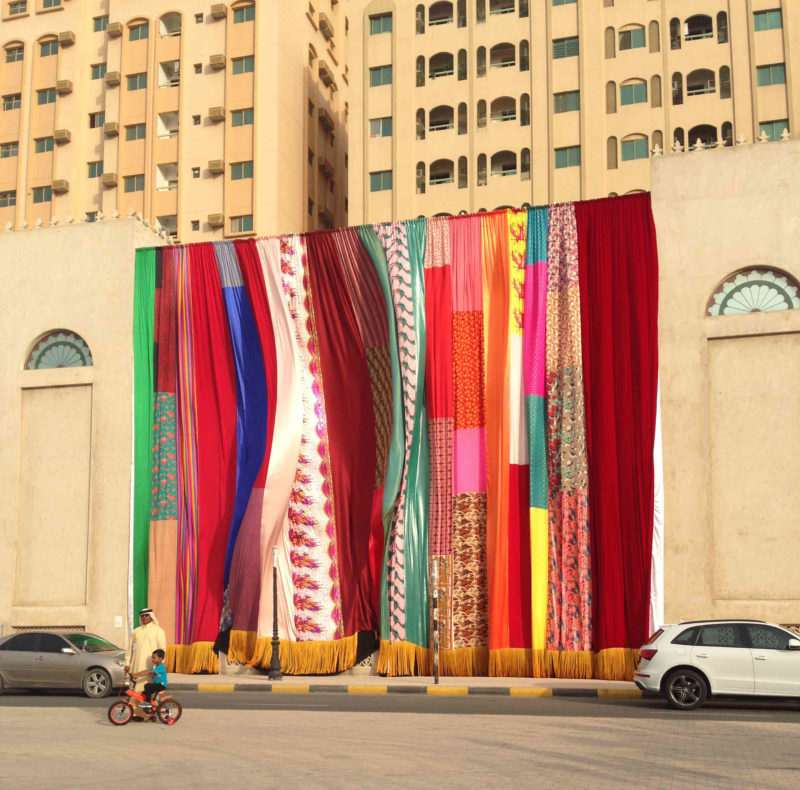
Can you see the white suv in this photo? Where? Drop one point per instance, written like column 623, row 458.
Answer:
column 688, row 662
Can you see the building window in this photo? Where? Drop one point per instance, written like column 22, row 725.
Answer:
column 310, row 158
column 525, row 164
column 634, row 93
column 7, row 150
column 198, row 19
column 195, row 224
column 134, row 183
column 380, row 181
column 463, row 179
column 139, row 32
column 12, row 101
column 462, row 118
column 564, row 2
column 462, row 64
column 245, row 117
column 241, row 171
column 100, row 24
column 380, row 23
column 42, row 145
column 47, row 48
column 95, row 169
column 773, row 129
column 722, row 28
column 136, row 131
column 771, row 75
column 481, row 62
column 20, row 7
column 481, row 113
column 243, row 224
column 631, row 39
column 59, row 349
column 310, row 207
column 461, row 13
column 524, row 56
column 611, row 97
column 51, row 3
column 481, row 170
column 635, row 149
column 420, row 124
column 8, row 199
column 244, row 14
column 568, row 157
column 244, row 65
column 610, row 43
column 46, row 96
column 98, row 71
column 565, row 47
column 198, row 68
column 195, row 172
column 137, row 82
column 754, row 291
column 655, row 91
column 658, row 140
column 420, row 71
column 654, row 35
column 14, row 54
column 768, row 20
column 569, row 101
column 419, row 19
column 724, row 82
column 674, row 33
column 196, row 120
column 611, row 153
column 96, row 119
column 380, row 75
column 42, row 194
column 380, row 127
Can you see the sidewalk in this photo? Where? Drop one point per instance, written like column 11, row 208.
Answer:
column 372, row 684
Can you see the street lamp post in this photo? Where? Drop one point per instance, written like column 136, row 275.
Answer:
column 435, row 622
column 275, row 661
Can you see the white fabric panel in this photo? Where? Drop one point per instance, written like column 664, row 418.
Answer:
column 657, row 566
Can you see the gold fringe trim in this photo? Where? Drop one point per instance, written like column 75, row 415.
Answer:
column 616, row 663
column 308, row 658
column 463, row 662
column 192, row 659
column 510, row 662
column 404, row 658
column 242, row 647
column 572, row 664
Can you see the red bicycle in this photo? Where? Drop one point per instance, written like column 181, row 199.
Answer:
column 163, row 708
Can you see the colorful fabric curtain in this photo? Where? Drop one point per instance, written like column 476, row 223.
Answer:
column 360, row 414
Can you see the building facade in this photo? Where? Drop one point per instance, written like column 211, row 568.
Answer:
column 211, row 120
column 471, row 105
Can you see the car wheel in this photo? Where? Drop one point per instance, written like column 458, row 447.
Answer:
column 96, row 683
column 686, row 689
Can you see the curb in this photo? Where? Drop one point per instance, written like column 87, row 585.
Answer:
column 431, row 691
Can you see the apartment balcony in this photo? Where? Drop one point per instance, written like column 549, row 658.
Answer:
column 166, row 202
column 325, row 25
column 326, row 74
column 325, row 118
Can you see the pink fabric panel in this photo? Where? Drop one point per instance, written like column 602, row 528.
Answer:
column 469, row 471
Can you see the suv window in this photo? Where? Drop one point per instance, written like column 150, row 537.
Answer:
column 687, row 637
column 22, row 642
column 723, row 635
column 51, row 643
column 764, row 637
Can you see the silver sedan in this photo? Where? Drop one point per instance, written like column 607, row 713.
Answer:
column 65, row 660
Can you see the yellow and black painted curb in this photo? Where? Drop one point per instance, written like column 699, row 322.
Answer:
column 430, row 690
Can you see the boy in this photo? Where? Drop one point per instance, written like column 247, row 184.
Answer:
column 159, row 682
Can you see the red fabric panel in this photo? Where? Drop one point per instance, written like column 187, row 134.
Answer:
column 618, row 272
column 351, row 428
column 439, row 342
column 215, row 402
column 519, row 557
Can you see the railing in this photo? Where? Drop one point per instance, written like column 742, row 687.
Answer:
column 442, row 73
column 441, row 180
column 172, row 83
column 171, row 34
column 502, row 64
column 170, row 187
column 509, row 9
column 697, row 36
column 444, row 21
column 709, row 87
column 171, row 133
column 505, row 172
column 438, row 127
column 504, row 115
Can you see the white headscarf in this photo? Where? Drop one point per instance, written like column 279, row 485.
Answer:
column 153, row 618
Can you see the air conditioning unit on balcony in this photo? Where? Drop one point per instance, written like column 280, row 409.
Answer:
column 63, row 87
column 60, row 186
column 326, row 119
column 325, row 25
column 111, row 128
column 219, row 11
column 108, row 179
column 217, row 62
column 113, row 78
column 62, row 135
column 114, row 29
column 216, row 220
column 325, row 74
column 216, row 166
column 216, row 113
column 325, row 167
column 66, row 38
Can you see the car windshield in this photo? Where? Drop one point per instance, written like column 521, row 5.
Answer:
column 89, row 643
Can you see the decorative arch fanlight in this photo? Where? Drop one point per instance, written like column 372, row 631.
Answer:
column 755, row 291
column 59, row 348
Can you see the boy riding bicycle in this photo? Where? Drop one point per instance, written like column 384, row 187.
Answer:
column 159, row 682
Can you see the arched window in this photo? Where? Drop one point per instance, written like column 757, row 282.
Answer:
column 481, row 61
column 59, row 348
column 440, row 65
column 613, row 194
column 655, row 91
column 654, row 35
column 611, row 97
column 724, row 82
column 440, row 118
column 635, row 146
column 727, row 133
column 754, row 291
column 462, row 64
column 524, row 110
column 674, row 33
column 501, row 6
column 703, row 135
column 611, row 153
column 420, row 19
column 170, row 24
column 480, row 11
column 48, row 45
column 658, row 140
column 440, row 13
column 481, row 170
column 420, row 71
column 633, row 92
column 14, row 51
column 700, row 81
column 481, row 113
column 524, row 56
column 722, row 28
column 611, row 43
column 631, row 37
column 523, row 9
column 697, row 27
column 677, row 88
column 463, row 181
column 462, row 118
column 461, row 13
column 504, row 163
column 525, row 164
column 420, row 178
column 420, row 124
column 441, row 172
column 677, row 136
column 503, row 109
column 502, row 56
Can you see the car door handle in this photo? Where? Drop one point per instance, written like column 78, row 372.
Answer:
column 760, row 658
column 701, row 655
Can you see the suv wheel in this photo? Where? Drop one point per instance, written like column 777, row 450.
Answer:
column 685, row 689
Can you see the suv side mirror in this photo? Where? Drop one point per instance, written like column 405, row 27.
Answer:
column 793, row 644
column 70, row 652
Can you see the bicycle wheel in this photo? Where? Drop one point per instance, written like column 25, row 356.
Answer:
column 169, row 712
column 120, row 713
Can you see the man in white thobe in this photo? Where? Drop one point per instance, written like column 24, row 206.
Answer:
column 148, row 637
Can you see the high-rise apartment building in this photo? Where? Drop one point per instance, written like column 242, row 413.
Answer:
column 471, row 105
column 213, row 120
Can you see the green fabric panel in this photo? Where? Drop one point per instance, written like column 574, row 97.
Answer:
column 394, row 467
column 143, row 317
column 536, row 412
column 418, row 472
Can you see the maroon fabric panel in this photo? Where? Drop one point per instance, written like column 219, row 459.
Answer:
column 165, row 333
column 618, row 263
column 519, row 557
column 351, row 428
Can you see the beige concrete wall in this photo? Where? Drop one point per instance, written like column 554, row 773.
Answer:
column 65, row 458
column 729, row 384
